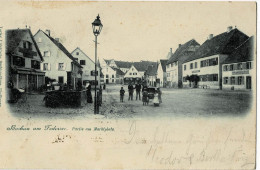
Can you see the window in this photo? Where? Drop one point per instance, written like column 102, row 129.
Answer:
column 113, row 76
column 107, row 76
column 61, row 66
column 248, row 65
column 233, row 80
column 19, row 61
column 239, row 66
column 93, row 73
column 191, row 65
column 184, row 79
column 207, row 63
column 45, row 66
column 225, row 80
column 231, row 67
column 35, row 64
column 215, row 77
column 195, row 64
column 39, row 40
column 77, row 53
column 240, row 80
column 184, row 67
column 171, row 64
column 130, row 73
column 27, row 45
column 225, row 68
column 201, row 63
column 82, row 62
column 61, row 79
column 46, row 54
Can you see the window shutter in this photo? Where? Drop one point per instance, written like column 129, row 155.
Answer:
column 49, row 66
column 57, row 66
column 244, row 65
column 236, row 80
column 229, row 80
column 41, row 66
column 235, row 66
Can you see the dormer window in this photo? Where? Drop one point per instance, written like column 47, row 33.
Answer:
column 27, row 45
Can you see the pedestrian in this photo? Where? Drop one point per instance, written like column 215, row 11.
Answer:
column 122, row 93
column 145, row 97
column 130, row 91
column 159, row 94
column 138, row 89
column 89, row 95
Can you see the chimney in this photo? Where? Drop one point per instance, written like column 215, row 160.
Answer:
column 229, row 29
column 57, row 39
column 179, row 45
column 210, row 36
column 48, row 32
column 171, row 50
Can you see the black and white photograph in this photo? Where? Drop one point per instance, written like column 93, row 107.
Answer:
column 128, row 85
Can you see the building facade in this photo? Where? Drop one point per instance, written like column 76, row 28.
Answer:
column 23, row 59
column 204, row 67
column 161, row 73
column 237, row 71
column 59, row 65
column 174, row 64
column 132, row 76
column 109, row 73
column 88, row 67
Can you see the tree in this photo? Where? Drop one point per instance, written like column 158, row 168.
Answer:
column 189, row 79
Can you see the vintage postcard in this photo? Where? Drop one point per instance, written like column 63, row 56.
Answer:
column 128, row 85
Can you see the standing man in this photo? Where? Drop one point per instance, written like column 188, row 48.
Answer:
column 122, row 93
column 130, row 91
column 138, row 89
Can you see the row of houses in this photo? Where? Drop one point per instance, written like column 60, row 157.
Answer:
column 33, row 61
column 224, row 61
column 124, row 72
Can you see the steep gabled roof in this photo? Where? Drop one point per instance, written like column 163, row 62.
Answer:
column 224, row 43
column 151, row 70
column 123, row 64
column 98, row 63
column 143, row 65
column 14, row 37
column 63, row 49
column 107, row 61
column 118, row 71
column 163, row 64
column 183, row 50
column 243, row 53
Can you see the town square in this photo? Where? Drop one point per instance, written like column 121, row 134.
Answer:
column 211, row 75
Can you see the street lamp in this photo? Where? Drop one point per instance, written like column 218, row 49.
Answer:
column 97, row 27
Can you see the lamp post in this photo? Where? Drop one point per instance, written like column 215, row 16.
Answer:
column 97, row 27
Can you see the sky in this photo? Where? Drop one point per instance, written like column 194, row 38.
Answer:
column 132, row 31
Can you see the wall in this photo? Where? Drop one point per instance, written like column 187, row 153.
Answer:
column 56, row 56
column 172, row 78
column 244, row 73
column 216, row 69
column 88, row 67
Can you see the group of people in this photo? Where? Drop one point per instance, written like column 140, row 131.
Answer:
column 138, row 87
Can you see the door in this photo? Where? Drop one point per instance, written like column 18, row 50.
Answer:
column 61, row 79
column 248, row 82
column 107, row 81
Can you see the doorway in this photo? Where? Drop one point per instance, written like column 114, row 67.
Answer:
column 248, row 82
